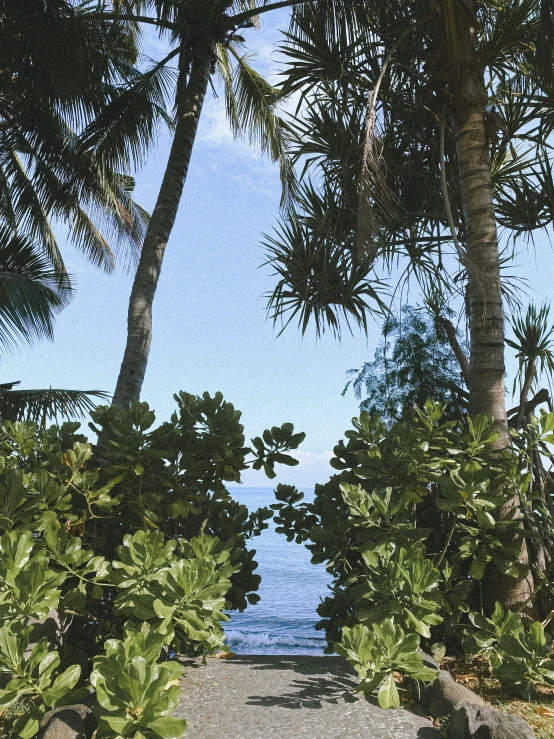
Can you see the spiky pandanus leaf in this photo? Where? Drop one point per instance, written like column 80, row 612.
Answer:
column 336, row 54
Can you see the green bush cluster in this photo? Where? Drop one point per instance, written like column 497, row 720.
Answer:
column 133, row 554
column 412, row 532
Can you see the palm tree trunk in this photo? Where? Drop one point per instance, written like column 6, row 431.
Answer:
column 486, row 317
column 190, row 99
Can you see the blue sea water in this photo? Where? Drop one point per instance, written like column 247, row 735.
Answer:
column 291, row 589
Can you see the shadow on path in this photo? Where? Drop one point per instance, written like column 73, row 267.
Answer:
column 310, row 693
column 245, row 697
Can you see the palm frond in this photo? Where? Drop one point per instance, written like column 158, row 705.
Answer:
column 534, row 342
column 40, row 406
column 68, row 131
column 31, row 291
column 252, row 109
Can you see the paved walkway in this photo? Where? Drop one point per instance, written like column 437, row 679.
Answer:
column 258, row 697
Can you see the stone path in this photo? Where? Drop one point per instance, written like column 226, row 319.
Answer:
column 258, row 697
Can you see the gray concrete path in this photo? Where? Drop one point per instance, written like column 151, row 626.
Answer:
column 258, row 697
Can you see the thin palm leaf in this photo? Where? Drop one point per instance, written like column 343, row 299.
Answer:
column 40, row 406
column 32, row 291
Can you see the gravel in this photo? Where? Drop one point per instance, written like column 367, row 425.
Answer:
column 274, row 697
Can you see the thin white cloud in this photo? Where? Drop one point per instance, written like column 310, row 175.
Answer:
column 313, row 468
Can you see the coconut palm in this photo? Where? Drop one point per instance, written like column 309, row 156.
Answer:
column 424, row 127
column 40, row 406
column 48, row 100
column 49, row 175
column 31, row 294
column 204, row 37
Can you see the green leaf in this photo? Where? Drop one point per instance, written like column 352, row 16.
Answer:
column 27, row 726
column 438, row 650
column 120, row 726
column 168, row 727
column 62, row 685
column 388, row 696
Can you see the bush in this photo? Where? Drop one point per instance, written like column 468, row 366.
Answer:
column 136, row 552
column 411, row 527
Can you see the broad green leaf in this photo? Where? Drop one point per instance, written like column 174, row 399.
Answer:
column 168, row 727
column 388, row 696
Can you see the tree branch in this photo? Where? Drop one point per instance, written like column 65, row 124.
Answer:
column 248, row 14
column 543, row 396
column 134, row 18
column 456, row 348
column 529, row 377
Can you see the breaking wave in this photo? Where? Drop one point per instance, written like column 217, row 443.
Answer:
column 249, row 642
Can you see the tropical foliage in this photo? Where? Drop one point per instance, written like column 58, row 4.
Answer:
column 412, row 363
column 49, row 169
column 411, row 529
column 420, row 129
column 204, row 38
column 132, row 557
column 377, row 653
column 41, row 406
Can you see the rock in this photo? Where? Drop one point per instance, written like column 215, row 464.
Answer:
column 49, row 627
column 469, row 721
column 68, row 722
column 428, row 660
column 445, row 693
column 427, row 690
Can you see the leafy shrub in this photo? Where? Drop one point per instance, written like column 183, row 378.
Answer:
column 525, row 659
column 135, row 693
column 487, row 633
column 377, row 653
column 411, row 526
column 519, row 659
column 135, row 553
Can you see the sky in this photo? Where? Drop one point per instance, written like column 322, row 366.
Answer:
column 211, row 330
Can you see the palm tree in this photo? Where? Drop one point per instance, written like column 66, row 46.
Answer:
column 424, row 127
column 205, row 40
column 50, row 169
column 30, row 296
column 55, row 167
column 413, row 125
column 40, row 406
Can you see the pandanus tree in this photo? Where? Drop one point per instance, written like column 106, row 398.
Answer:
column 425, row 128
column 204, row 38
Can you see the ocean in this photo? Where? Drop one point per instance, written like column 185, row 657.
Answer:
column 291, row 589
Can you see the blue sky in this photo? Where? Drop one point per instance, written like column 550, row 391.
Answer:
column 210, row 326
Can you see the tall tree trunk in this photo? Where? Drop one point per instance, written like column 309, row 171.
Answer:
column 486, row 316
column 190, row 99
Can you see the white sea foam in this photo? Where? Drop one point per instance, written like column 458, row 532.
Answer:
column 284, row 620
column 260, row 640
